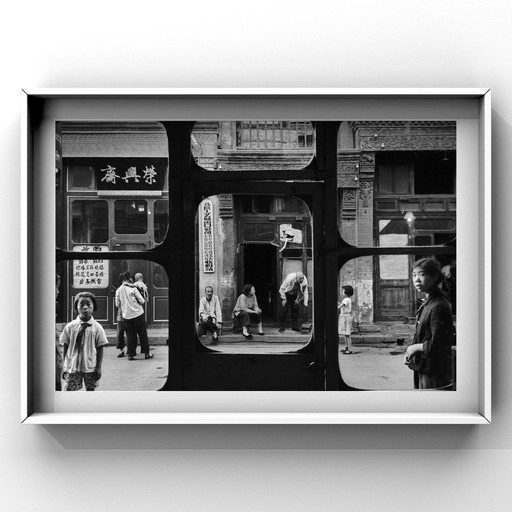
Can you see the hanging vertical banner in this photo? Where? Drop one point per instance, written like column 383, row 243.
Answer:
column 207, row 236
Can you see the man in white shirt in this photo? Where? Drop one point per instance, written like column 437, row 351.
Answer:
column 129, row 299
column 293, row 290
column 210, row 314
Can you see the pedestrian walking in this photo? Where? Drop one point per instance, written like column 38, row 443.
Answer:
column 131, row 302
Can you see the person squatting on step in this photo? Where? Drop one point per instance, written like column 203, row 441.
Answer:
column 210, row 314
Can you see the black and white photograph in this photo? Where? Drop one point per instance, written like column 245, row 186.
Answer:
column 255, row 256
column 190, row 250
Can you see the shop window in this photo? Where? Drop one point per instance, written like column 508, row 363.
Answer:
column 161, row 220
column 418, row 173
column 393, row 175
column 435, row 224
column 160, row 279
column 89, row 221
column 287, row 204
column 257, row 204
column 80, row 177
column 258, row 232
column 131, row 217
column 434, row 173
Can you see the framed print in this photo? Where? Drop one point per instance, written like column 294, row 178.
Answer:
column 256, row 256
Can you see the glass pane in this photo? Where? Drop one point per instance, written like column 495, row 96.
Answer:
column 89, row 222
column 244, row 257
column 258, row 232
column 377, row 305
column 239, row 145
column 434, row 224
column 161, row 220
column 137, row 327
column 81, row 177
column 130, row 217
column 400, row 172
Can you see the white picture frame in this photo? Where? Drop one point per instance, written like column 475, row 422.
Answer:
column 469, row 404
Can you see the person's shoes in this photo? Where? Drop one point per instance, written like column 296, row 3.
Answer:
column 296, row 329
column 261, row 333
column 130, row 358
column 247, row 336
column 148, row 356
column 281, row 330
column 346, row 351
column 121, row 354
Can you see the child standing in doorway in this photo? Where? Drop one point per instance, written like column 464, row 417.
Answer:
column 345, row 318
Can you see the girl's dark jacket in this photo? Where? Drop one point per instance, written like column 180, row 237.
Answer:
column 434, row 330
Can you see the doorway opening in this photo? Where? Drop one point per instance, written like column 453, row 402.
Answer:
column 260, row 268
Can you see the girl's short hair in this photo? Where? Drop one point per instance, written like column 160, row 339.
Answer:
column 84, row 295
column 349, row 291
column 247, row 289
column 431, row 267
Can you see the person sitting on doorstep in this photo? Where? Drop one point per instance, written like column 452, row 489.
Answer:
column 247, row 310
column 210, row 314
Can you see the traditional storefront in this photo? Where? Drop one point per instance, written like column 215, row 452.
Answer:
column 396, row 187
column 396, row 183
column 112, row 195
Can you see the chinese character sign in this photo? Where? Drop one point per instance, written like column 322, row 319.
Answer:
column 208, row 255
column 130, row 173
column 90, row 273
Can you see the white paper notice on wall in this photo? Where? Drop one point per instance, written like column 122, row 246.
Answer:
column 288, row 235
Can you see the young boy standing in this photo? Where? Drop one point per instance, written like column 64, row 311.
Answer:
column 82, row 341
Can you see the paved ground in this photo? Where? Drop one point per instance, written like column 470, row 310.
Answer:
column 377, row 367
column 119, row 374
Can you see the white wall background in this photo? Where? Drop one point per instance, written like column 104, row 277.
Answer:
column 460, row 43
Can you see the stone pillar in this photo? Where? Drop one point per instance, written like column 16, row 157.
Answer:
column 348, row 186
column 365, row 228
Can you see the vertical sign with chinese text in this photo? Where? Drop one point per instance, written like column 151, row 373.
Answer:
column 90, row 273
column 208, row 255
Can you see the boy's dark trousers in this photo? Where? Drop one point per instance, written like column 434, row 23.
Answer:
column 290, row 303
column 136, row 326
